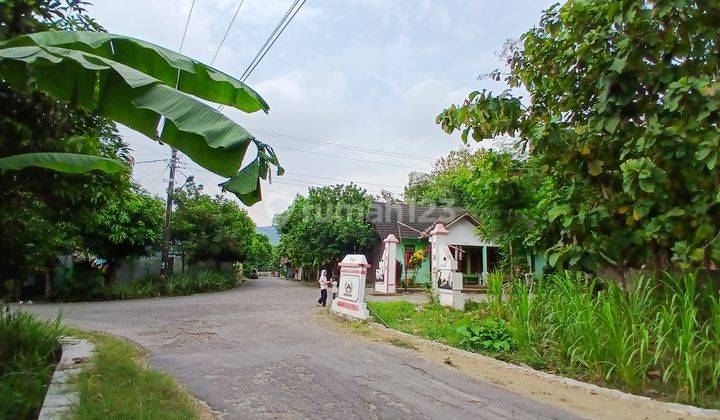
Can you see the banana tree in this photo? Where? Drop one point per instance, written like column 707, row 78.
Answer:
column 150, row 89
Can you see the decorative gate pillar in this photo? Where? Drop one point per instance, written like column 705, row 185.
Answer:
column 351, row 290
column 447, row 283
column 386, row 272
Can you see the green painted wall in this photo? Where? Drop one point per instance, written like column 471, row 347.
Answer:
column 423, row 275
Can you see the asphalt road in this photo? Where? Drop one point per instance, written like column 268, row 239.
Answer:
column 259, row 352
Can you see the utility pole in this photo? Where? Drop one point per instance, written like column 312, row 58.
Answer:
column 165, row 266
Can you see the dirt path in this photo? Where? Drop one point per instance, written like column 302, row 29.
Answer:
column 582, row 399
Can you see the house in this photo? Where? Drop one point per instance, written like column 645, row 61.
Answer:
column 410, row 224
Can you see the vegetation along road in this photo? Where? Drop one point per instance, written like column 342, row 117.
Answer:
column 260, row 351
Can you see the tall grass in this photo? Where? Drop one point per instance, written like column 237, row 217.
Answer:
column 28, row 347
column 495, row 292
column 664, row 336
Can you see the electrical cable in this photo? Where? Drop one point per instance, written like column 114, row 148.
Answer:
column 187, row 24
column 269, row 38
column 350, row 158
column 340, row 145
column 246, row 76
column 232, row 21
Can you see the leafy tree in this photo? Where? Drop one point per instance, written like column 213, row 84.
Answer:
column 508, row 197
column 262, row 255
column 320, row 229
column 623, row 117
column 40, row 208
column 387, row 196
column 207, row 228
column 438, row 187
column 130, row 226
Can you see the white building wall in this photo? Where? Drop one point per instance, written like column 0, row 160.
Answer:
column 462, row 232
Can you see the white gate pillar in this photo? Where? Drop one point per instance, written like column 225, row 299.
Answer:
column 447, row 283
column 386, row 272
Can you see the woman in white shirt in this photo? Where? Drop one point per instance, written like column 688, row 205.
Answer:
column 323, row 288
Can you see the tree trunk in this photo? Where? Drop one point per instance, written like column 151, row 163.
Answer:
column 111, row 272
column 48, row 282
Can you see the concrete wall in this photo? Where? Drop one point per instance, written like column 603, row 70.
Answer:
column 138, row 268
column 463, row 232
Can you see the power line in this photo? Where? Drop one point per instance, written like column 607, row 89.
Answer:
column 349, row 158
column 247, row 72
column 232, row 21
column 187, row 23
column 270, row 41
column 151, row 161
column 341, row 145
column 342, row 180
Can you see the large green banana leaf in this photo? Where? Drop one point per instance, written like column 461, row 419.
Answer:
column 141, row 102
column 64, row 162
column 171, row 68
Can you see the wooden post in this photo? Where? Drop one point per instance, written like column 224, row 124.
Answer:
column 485, row 263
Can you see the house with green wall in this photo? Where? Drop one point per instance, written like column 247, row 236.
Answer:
column 410, row 224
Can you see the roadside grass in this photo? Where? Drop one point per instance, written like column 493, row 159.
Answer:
column 662, row 339
column 435, row 322
column 117, row 385
column 29, row 348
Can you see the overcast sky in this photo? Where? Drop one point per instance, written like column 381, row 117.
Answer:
column 365, row 73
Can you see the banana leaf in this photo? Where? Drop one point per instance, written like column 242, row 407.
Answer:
column 173, row 69
column 63, row 162
column 136, row 100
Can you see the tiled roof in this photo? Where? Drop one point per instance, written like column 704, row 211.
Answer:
column 384, row 218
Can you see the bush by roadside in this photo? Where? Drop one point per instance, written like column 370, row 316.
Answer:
column 29, row 348
column 662, row 339
column 179, row 284
column 89, row 285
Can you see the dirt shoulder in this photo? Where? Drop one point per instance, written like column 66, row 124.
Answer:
column 586, row 400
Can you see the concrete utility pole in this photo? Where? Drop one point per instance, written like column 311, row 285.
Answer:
column 165, row 266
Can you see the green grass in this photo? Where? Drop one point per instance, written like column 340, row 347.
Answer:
column 660, row 339
column 28, row 349
column 117, row 385
column 434, row 322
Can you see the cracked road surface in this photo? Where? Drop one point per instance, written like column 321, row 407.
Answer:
column 259, row 352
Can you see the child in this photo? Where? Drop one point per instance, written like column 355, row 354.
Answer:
column 323, row 288
column 334, row 287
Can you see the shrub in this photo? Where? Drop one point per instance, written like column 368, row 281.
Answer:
column 81, row 282
column 140, row 288
column 488, row 335
column 28, row 347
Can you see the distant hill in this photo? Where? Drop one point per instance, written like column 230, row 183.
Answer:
column 271, row 232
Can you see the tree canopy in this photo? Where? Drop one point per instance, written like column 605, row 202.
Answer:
column 623, row 119
column 210, row 228
column 318, row 230
column 129, row 226
column 40, row 208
